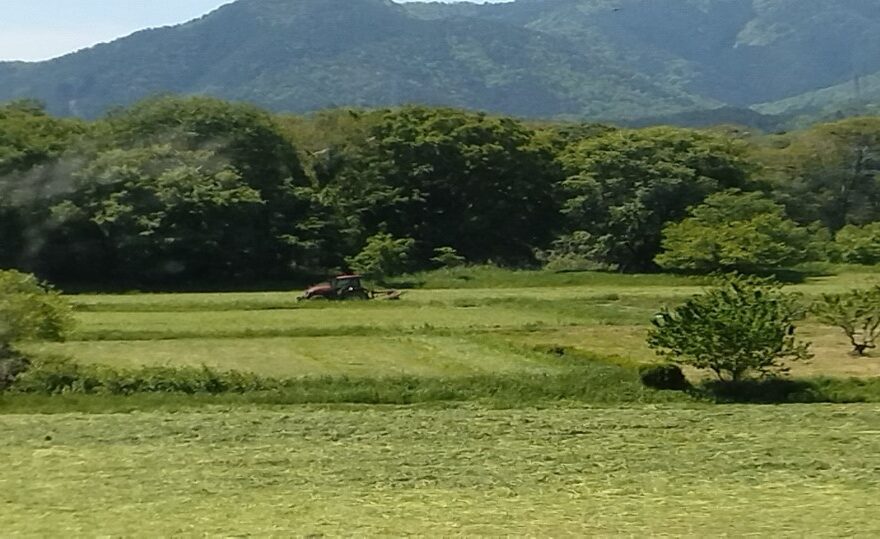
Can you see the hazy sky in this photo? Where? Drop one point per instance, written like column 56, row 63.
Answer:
column 42, row 29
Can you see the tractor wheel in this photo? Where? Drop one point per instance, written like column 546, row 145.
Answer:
column 359, row 295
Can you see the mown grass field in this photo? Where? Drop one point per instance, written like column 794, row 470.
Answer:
column 803, row 470
column 529, row 420
column 487, row 325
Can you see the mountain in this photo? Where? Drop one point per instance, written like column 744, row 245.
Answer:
column 861, row 95
column 736, row 51
column 719, row 116
column 597, row 59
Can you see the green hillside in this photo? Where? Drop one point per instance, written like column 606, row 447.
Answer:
column 857, row 96
column 602, row 59
column 739, row 52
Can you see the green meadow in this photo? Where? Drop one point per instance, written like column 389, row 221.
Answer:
column 486, row 408
column 794, row 471
column 491, row 323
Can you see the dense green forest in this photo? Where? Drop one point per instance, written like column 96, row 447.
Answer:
column 695, row 62
column 177, row 190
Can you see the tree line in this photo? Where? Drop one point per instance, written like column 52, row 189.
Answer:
column 188, row 190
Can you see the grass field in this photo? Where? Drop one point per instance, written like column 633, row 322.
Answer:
column 708, row 471
column 526, row 417
column 492, row 324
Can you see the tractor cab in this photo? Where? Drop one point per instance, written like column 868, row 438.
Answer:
column 346, row 284
column 338, row 288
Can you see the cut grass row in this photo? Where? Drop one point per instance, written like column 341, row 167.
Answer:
column 511, row 286
column 422, row 353
column 642, row 471
column 411, row 355
column 354, row 336
column 354, row 319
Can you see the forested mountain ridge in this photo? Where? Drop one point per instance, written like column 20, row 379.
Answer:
column 600, row 59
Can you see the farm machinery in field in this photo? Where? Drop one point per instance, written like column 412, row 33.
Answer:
column 346, row 287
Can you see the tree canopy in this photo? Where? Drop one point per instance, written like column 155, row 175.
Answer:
column 737, row 231
column 831, row 173
column 443, row 177
column 624, row 186
column 197, row 190
column 741, row 327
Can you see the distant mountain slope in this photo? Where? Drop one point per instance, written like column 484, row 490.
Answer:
column 858, row 95
column 301, row 55
column 713, row 117
column 739, row 52
column 599, row 59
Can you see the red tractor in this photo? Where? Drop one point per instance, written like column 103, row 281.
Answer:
column 346, row 287
column 340, row 288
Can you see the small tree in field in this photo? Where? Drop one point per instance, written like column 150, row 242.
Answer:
column 383, row 256
column 742, row 326
column 29, row 311
column 857, row 313
column 448, row 257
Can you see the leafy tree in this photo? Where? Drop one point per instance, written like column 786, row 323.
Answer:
column 165, row 212
column 30, row 143
column 624, row 186
column 857, row 313
column 383, row 256
column 328, row 139
column 859, row 244
column 443, row 177
column 293, row 225
column 245, row 136
column 29, row 136
column 181, row 188
column 831, row 173
column 736, row 231
column 742, row 326
column 561, row 135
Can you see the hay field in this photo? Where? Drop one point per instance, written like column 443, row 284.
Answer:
column 616, row 460
column 792, row 471
column 442, row 331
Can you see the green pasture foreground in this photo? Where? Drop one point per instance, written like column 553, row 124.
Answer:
column 696, row 471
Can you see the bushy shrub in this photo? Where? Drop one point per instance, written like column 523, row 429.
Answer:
column 12, row 364
column 768, row 391
column 666, row 376
column 31, row 310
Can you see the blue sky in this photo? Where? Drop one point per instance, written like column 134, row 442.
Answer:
column 41, row 29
